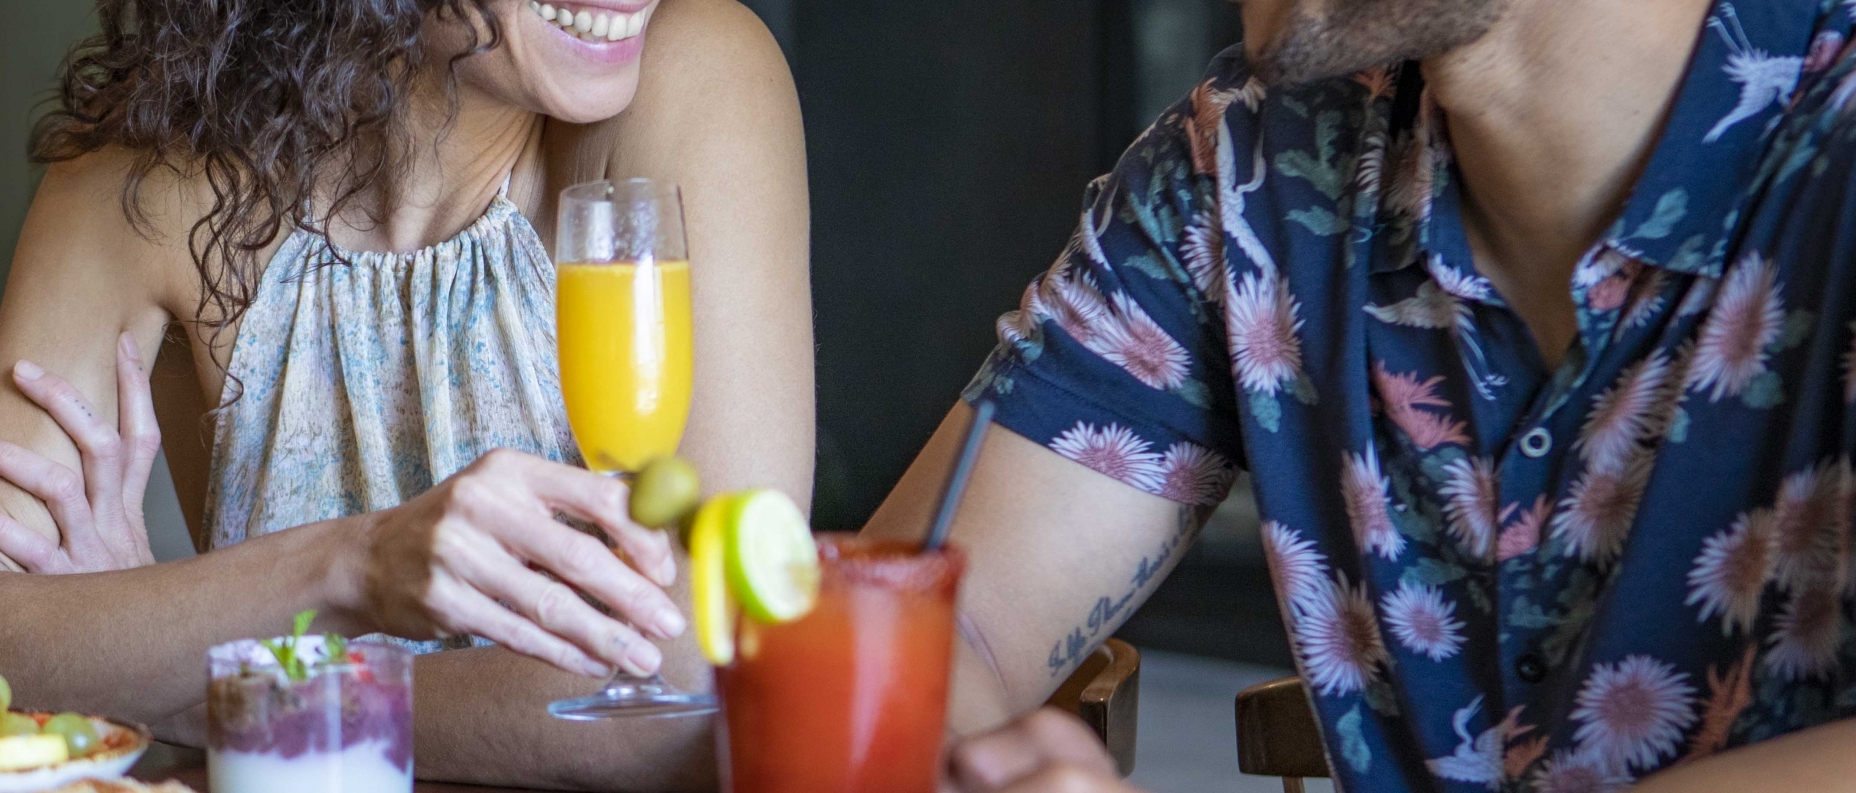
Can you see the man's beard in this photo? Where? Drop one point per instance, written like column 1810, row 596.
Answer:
column 1354, row 35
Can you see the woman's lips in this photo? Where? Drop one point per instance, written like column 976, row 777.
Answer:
column 592, row 24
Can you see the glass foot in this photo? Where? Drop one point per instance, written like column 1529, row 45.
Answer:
column 627, row 697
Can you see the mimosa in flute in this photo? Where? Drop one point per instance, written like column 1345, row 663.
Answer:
column 622, row 324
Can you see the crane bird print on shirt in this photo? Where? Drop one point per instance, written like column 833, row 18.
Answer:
column 1442, row 304
column 1478, row 758
column 1231, row 200
column 1764, row 79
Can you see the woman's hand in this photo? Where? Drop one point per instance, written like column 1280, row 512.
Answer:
column 462, row 558
column 99, row 513
column 1048, row 751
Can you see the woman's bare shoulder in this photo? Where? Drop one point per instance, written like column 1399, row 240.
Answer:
column 100, row 214
column 712, row 73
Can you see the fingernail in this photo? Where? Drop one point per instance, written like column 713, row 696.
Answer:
column 667, row 572
column 670, row 623
column 126, row 342
column 643, row 659
column 27, row 370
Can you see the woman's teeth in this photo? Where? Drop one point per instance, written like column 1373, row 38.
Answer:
column 590, row 26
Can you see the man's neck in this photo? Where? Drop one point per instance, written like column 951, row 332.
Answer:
column 455, row 167
column 1552, row 116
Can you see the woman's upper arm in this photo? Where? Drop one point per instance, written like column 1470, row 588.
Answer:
column 80, row 276
column 717, row 113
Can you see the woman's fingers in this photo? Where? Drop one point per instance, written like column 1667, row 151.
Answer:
column 97, row 441
column 599, row 499
column 32, row 550
column 581, row 560
column 141, row 434
column 61, row 489
column 559, row 610
column 464, row 610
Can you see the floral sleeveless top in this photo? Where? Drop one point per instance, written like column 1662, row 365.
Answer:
column 356, row 386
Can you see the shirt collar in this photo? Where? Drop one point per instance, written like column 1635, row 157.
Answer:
column 1744, row 73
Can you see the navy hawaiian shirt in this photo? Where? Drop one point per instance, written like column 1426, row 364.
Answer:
column 1496, row 575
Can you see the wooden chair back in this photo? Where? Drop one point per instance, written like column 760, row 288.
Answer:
column 1277, row 734
column 1105, row 693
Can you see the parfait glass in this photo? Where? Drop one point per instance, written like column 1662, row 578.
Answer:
column 622, row 321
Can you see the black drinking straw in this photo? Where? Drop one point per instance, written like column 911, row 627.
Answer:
column 963, row 470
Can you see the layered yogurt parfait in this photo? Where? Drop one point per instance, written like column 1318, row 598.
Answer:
column 309, row 714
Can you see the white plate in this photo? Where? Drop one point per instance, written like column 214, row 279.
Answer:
column 125, row 744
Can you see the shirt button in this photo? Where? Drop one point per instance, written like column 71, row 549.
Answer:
column 1537, row 442
column 1530, row 668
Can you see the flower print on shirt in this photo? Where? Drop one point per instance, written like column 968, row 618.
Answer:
column 1130, row 339
column 1521, row 529
column 1470, row 501
column 1193, row 474
column 1339, row 638
column 1748, row 316
column 1728, row 696
column 1114, row 451
column 1203, row 252
column 1577, row 772
column 1596, row 514
column 1811, row 527
column 1624, row 414
column 1422, row 621
column 1369, row 505
column 1298, row 567
column 1632, row 713
column 1804, row 638
column 1401, row 396
column 1731, row 573
column 1261, row 323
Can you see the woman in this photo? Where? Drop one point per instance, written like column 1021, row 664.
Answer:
column 238, row 168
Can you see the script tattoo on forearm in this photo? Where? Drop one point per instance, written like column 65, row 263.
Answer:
column 1108, row 612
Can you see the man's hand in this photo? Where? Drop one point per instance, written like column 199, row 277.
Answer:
column 1048, row 751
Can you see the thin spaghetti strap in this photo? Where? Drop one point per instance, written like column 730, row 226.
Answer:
column 507, row 178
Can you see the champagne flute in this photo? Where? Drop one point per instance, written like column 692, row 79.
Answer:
column 622, row 318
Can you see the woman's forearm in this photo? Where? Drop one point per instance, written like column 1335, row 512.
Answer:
column 480, row 716
column 1816, row 759
column 132, row 644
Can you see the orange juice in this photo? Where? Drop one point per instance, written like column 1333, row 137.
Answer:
column 626, row 359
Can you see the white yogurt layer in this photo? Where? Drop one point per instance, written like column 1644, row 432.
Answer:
column 362, row 768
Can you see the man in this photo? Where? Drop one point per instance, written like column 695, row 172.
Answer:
column 1532, row 320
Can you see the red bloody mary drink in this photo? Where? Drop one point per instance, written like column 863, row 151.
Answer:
column 852, row 697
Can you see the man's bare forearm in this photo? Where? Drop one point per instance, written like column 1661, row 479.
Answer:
column 133, row 643
column 1815, row 759
column 481, row 717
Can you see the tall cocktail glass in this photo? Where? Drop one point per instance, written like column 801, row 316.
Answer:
column 622, row 324
column 852, row 697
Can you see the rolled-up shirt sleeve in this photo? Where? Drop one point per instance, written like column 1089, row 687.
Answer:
column 1116, row 357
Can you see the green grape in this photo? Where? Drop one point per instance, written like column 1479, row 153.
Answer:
column 665, row 491
column 6, row 695
column 12, row 724
column 79, row 735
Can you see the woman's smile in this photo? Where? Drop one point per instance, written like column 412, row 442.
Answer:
column 602, row 33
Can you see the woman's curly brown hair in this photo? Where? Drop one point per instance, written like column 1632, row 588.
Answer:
column 271, row 101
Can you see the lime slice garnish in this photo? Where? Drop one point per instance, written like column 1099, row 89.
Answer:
column 772, row 561
column 713, row 606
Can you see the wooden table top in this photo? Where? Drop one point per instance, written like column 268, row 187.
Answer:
column 164, row 762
